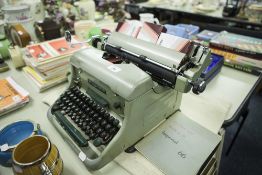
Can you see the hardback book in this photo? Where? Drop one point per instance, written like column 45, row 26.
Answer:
column 239, row 62
column 12, row 95
column 238, row 44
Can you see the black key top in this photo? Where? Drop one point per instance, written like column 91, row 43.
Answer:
column 92, row 123
column 99, row 131
column 113, row 130
column 95, row 116
column 74, row 134
column 103, row 134
column 108, row 127
column 102, row 111
column 91, row 113
column 92, row 135
column 87, row 110
column 111, row 119
column 88, row 120
column 99, row 119
column 94, row 105
column 106, row 115
column 115, row 122
column 103, row 123
column 95, row 127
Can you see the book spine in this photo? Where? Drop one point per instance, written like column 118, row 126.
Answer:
column 250, row 54
column 242, row 67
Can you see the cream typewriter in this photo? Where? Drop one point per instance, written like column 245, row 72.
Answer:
column 108, row 107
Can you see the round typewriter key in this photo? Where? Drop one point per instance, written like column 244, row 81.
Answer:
column 76, row 109
column 80, row 113
column 103, row 134
column 79, row 124
column 96, row 126
column 84, row 116
column 91, row 113
column 99, row 131
column 87, row 109
column 103, row 123
column 76, row 120
column 113, row 130
column 107, row 138
column 87, row 132
column 108, row 127
column 92, row 123
column 107, row 115
column 111, row 119
column 99, row 119
column 84, row 106
column 94, row 105
column 73, row 117
column 88, row 120
column 87, row 99
column 77, row 101
column 115, row 122
column 97, row 142
column 95, row 116
column 102, row 111
column 81, row 104
column 90, row 102
column 98, row 108
column 92, row 134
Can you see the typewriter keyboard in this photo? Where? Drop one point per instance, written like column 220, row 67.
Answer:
column 76, row 112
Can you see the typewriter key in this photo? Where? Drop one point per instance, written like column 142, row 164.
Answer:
column 115, row 122
column 97, row 142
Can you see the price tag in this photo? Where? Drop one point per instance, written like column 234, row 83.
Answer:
column 82, row 156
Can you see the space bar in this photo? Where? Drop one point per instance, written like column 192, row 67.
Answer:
column 71, row 130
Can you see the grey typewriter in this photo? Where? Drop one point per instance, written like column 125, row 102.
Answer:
column 108, row 107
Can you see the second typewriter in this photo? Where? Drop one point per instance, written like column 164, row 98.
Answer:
column 108, row 107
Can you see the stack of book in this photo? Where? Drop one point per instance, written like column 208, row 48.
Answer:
column 240, row 52
column 12, row 96
column 48, row 62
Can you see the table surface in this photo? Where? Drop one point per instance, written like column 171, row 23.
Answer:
column 188, row 8
column 230, row 87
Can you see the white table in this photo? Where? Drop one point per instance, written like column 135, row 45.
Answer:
column 230, row 87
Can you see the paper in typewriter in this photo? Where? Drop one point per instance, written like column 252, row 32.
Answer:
column 179, row 146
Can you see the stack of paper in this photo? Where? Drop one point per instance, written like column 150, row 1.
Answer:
column 48, row 62
column 12, row 96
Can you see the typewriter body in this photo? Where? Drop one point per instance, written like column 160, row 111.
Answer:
column 109, row 107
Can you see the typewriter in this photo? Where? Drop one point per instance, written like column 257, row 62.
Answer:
column 108, row 107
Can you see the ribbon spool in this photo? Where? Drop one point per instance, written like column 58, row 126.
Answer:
column 16, row 56
column 37, row 156
column 19, row 35
column 11, row 135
